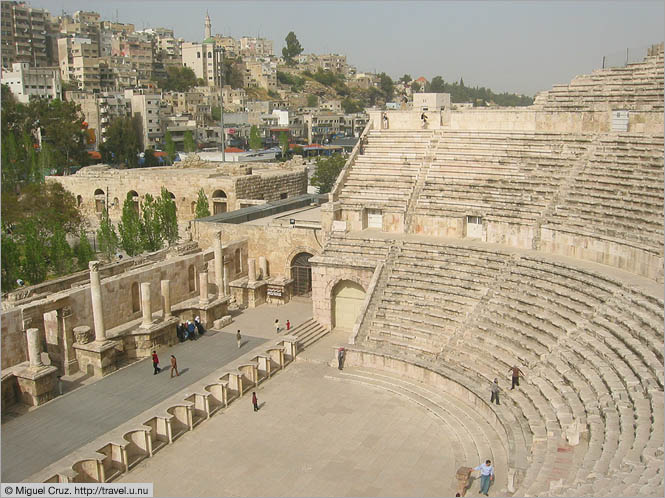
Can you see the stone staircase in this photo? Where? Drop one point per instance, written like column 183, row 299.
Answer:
column 308, row 333
column 430, row 154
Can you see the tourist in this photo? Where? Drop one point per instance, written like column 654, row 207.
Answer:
column 495, row 392
column 277, row 325
column 423, row 117
column 238, row 338
column 155, row 363
column 516, row 376
column 174, row 367
column 385, row 121
column 191, row 330
column 180, row 331
column 288, row 325
column 255, row 402
column 340, row 358
column 199, row 326
column 486, row 475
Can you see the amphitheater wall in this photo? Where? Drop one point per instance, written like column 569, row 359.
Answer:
column 619, row 254
column 14, row 341
column 279, row 245
column 409, row 120
column 435, row 226
column 324, row 279
column 511, row 234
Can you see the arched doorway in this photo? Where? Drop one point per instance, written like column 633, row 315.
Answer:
column 301, row 273
column 100, row 200
column 136, row 299
column 218, row 202
column 347, row 300
column 134, row 197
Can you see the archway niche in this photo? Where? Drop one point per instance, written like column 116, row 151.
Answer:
column 100, row 200
column 347, row 301
column 219, row 202
column 301, row 273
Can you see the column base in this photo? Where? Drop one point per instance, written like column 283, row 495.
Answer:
column 96, row 358
column 36, row 385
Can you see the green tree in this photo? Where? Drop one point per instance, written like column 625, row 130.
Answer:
column 406, row 79
column 188, row 142
column 202, row 207
column 170, row 146
column 254, row 138
column 149, row 159
column 129, row 228
column 35, row 253
column 178, row 79
column 415, row 87
column 351, row 106
column 150, row 225
column 312, row 101
column 292, row 49
column 387, row 86
column 107, row 237
column 11, row 262
column 327, row 171
column 284, row 143
column 437, row 85
column 83, row 250
column 168, row 218
column 60, row 252
column 123, row 142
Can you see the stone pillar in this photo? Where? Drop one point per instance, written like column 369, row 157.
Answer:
column 166, row 299
column 97, row 308
column 69, row 361
column 227, row 289
column 263, row 264
column 203, row 287
column 146, row 305
column 219, row 264
column 34, row 351
column 251, row 269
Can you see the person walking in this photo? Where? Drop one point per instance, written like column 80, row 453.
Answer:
column 155, row 363
column 174, row 367
column 486, row 476
column 495, row 392
column 277, row 325
column 255, row 402
column 516, row 372
column 238, row 338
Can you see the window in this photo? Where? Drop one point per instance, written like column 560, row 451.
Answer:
column 474, row 220
column 198, row 55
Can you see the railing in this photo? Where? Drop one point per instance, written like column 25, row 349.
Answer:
column 630, row 55
column 343, row 175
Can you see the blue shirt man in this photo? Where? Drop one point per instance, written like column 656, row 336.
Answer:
column 486, row 475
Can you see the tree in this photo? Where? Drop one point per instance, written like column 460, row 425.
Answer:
column 60, row 253
column 312, row 101
column 35, row 253
column 150, row 225
column 129, row 228
column 351, row 106
column 387, row 86
column 254, row 138
column 123, row 142
column 202, row 207
column 284, row 143
column 188, row 142
column 83, row 250
column 170, row 146
column 168, row 218
column 437, row 85
column 327, row 171
column 149, row 159
column 406, row 79
column 11, row 262
column 178, row 79
column 106, row 237
column 292, row 49
column 415, row 87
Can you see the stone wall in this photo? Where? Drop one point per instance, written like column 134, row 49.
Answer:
column 271, row 186
column 14, row 341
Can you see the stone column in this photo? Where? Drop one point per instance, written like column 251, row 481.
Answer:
column 203, row 287
column 146, row 305
column 69, row 361
column 251, row 269
column 227, row 289
column 219, row 264
column 97, row 309
column 166, row 299
column 263, row 264
column 34, row 351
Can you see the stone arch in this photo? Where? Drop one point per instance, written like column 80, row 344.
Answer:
column 136, row 298
column 79, row 201
column 300, row 270
column 100, row 200
column 135, row 199
column 173, row 198
column 191, row 278
column 116, row 203
column 347, row 298
column 219, row 202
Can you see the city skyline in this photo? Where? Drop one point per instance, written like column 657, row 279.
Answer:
column 504, row 46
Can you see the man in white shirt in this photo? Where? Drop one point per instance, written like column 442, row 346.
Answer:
column 486, row 475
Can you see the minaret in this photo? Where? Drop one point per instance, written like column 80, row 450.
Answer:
column 208, row 30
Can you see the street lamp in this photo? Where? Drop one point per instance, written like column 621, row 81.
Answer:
column 221, row 50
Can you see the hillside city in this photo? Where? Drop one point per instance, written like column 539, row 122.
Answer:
column 174, row 88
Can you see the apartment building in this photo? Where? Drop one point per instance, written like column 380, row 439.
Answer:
column 27, row 82
column 24, row 31
column 79, row 62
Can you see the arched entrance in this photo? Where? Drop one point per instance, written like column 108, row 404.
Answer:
column 218, row 202
column 100, row 200
column 301, row 273
column 347, row 299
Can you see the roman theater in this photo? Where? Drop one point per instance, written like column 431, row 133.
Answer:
column 446, row 253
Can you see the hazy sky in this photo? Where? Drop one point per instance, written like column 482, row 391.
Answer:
column 517, row 46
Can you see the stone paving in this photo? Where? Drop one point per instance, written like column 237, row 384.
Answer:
column 42, row 436
column 313, row 436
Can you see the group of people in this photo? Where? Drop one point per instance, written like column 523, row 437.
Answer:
column 516, row 373
column 278, row 327
column 190, row 330
column 157, row 369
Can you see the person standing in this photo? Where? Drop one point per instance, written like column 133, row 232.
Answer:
column 495, row 392
column 340, row 358
column 155, row 363
column 516, row 376
column 486, row 476
column 174, row 367
column 238, row 338
column 277, row 325
column 288, row 325
column 255, row 401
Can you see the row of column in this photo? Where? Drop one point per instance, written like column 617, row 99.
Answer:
column 251, row 268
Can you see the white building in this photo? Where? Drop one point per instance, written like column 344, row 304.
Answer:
column 203, row 60
column 26, row 82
